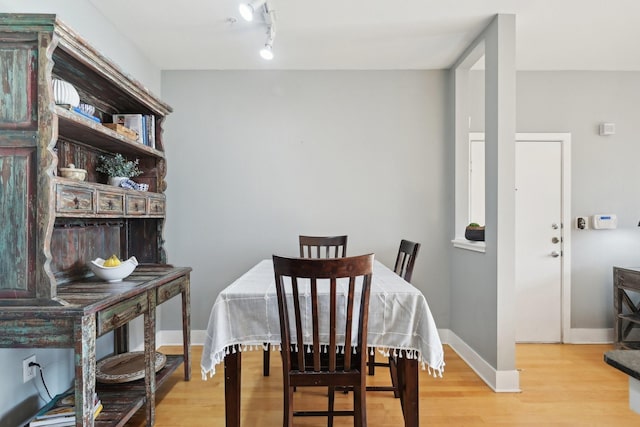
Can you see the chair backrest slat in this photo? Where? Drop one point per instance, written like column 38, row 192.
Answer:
column 349, row 323
column 316, row 328
column 332, row 325
column 298, row 320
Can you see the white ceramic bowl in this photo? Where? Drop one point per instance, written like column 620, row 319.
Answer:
column 65, row 93
column 113, row 274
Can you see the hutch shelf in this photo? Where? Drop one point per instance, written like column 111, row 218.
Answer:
column 53, row 226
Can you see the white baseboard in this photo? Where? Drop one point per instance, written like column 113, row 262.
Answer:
column 498, row 381
column 174, row 337
column 589, row 336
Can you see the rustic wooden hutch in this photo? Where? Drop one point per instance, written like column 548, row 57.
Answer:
column 53, row 227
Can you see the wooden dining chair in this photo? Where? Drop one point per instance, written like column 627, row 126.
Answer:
column 323, row 246
column 311, row 247
column 405, row 260
column 318, row 349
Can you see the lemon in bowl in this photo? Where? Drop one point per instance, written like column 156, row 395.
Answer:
column 112, row 269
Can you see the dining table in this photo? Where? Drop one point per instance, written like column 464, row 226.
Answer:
column 245, row 317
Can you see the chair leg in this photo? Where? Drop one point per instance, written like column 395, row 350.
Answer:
column 393, row 370
column 359, row 406
column 266, row 358
column 287, row 413
column 371, row 363
column 332, row 391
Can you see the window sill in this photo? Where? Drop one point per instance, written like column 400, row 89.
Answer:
column 468, row 245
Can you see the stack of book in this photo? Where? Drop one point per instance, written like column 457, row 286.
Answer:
column 61, row 411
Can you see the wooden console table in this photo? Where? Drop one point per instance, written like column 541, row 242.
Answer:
column 626, row 325
column 84, row 310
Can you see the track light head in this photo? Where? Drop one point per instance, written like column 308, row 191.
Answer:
column 247, row 10
column 267, row 52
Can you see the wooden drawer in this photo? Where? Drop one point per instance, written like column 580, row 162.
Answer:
column 110, row 203
column 156, row 206
column 170, row 290
column 122, row 313
column 71, row 199
column 136, row 205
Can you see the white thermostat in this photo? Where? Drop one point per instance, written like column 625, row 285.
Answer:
column 605, row 221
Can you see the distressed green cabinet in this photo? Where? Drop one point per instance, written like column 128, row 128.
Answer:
column 52, row 227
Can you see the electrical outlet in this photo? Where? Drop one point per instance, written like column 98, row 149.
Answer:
column 28, row 372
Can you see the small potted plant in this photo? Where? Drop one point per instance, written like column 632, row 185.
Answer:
column 117, row 168
column 474, row 232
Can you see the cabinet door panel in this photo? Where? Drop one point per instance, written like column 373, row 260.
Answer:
column 18, row 109
column 17, row 234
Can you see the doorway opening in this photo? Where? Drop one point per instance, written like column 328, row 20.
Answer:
column 543, row 231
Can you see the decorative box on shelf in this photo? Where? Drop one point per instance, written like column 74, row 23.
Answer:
column 122, row 130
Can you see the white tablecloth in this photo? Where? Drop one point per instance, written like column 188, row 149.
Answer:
column 246, row 314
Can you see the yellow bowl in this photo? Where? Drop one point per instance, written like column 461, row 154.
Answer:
column 113, row 274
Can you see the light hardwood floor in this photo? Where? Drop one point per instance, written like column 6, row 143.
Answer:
column 562, row 385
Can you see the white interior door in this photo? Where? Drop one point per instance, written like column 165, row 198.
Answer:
column 539, row 241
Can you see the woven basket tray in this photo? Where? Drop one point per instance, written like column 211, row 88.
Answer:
column 125, row 367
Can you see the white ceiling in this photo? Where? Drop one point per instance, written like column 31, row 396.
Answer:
column 378, row 34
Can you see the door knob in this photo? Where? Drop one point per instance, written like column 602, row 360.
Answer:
column 554, row 240
column 555, row 254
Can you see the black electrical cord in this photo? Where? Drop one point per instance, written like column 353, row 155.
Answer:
column 41, row 377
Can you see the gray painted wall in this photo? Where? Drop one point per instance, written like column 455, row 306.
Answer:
column 18, row 400
column 604, row 173
column 257, row 158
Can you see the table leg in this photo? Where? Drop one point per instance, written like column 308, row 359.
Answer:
column 232, row 381
column 186, row 330
column 84, row 335
column 150, row 358
column 408, row 385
